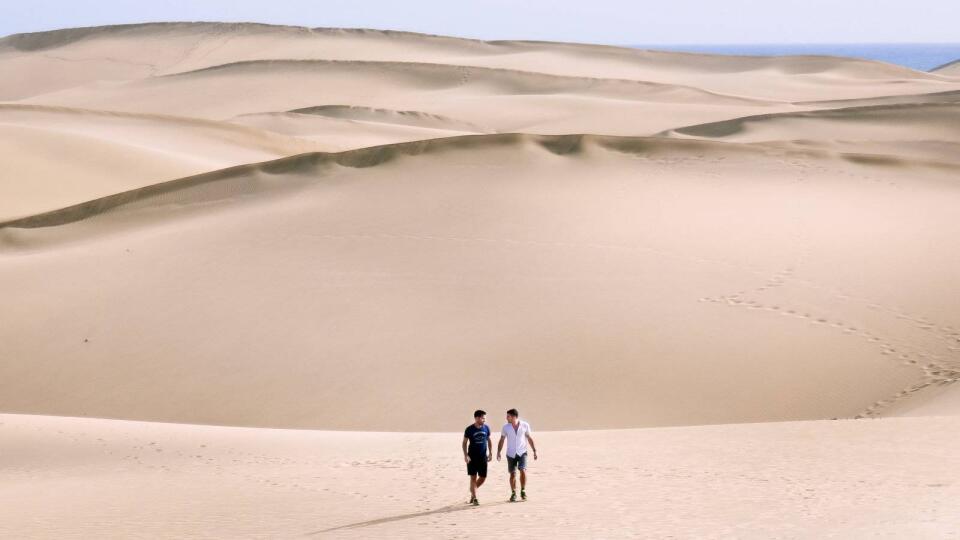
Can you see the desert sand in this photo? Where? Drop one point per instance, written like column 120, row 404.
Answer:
column 256, row 279
column 83, row 478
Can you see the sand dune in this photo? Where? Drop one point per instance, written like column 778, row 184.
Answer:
column 940, row 122
column 75, row 155
column 951, row 69
column 521, row 253
column 491, row 99
column 103, row 53
column 595, row 246
column 498, row 80
column 340, row 134
column 929, row 131
column 326, row 229
column 58, row 156
column 225, row 71
column 387, row 116
column 951, row 96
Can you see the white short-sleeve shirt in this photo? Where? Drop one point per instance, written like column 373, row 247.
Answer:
column 516, row 438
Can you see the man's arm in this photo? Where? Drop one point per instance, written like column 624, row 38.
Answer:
column 489, row 449
column 533, row 445
column 466, row 457
column 500, row 447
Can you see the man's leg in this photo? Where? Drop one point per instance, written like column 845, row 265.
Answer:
column 522, row 465
column 512, row 469
column 481, row 470
column 473, row 487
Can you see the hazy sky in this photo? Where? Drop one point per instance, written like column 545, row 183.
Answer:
column 597, row 21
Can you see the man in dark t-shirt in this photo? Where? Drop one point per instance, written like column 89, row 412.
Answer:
column 477, row 451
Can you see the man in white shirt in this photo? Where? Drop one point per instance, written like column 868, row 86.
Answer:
column 517, row 434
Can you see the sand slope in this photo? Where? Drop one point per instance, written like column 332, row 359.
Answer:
column 796, row 480
column 287, row 290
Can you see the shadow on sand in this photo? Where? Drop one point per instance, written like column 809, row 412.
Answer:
column 401, row 517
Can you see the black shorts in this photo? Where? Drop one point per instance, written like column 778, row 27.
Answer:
column 477, row 466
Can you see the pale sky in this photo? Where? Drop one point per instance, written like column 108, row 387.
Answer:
column 619, row 22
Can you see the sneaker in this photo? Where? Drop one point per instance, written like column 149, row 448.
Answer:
column 474, row 502
column 523, row 494
column 513, row 497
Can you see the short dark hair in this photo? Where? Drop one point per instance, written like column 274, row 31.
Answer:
column 513, row 412
column 478, row 413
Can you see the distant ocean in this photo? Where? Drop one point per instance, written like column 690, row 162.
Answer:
column 920, row 56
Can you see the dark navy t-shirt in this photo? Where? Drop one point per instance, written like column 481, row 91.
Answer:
column 478, row 439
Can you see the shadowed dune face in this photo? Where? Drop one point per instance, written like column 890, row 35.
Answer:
column 359, row 290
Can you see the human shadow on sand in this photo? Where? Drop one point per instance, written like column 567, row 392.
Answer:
column 401, row 517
